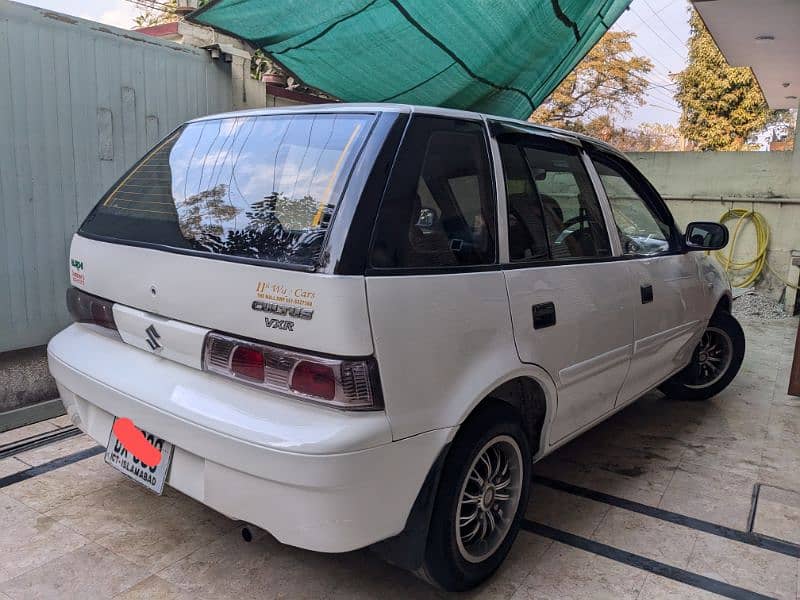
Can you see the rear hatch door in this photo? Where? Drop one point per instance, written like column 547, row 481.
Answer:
column 222, row 226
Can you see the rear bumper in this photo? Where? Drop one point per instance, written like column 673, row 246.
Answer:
column 313, row 477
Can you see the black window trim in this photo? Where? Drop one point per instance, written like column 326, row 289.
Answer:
column 498, row 131
column 518, row 146
column 323, row 265
column 371, row 271
column 647, row 192
column 547, row 142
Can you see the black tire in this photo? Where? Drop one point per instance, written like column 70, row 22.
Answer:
column 689, row 384
column 491, row 429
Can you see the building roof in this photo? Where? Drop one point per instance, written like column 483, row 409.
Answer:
column 163, row 30
column 762, row 34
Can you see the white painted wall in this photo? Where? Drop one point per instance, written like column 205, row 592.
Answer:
column 704, row 185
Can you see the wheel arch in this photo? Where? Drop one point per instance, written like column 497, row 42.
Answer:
column 532, row 393
column 724, row 303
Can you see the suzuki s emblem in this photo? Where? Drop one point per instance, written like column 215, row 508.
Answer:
column 152, row 338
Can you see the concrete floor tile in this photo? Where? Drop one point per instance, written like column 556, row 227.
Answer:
column 366, row 577
column 88, row 572
column 625, row 461
column 731, row 511
column 630, row 488
column 166, row 536
column 29, row 539
column 661, row 588
column 44, row 454
column 781, row 459
column 229, row 567
column 20, row 433
column 62, row 421
column 743, row 458
column 99, row 514
column 528, row 550
column 646, row 536
column 566, row 572
column 155, row 588
column 49, row 490
column 9, row 466
column 745, row 566
column 638, row 489
column 710, row 480
column 778, row 514
column 779, row 478
column 564, row 511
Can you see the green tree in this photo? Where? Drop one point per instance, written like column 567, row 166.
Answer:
column 647, row 137
column 156, row 13
column 610, row 80
column 722, row 105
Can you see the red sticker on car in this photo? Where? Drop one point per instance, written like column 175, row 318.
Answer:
column 135, row 442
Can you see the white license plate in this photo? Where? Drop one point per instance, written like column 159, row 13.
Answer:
column 125, row 462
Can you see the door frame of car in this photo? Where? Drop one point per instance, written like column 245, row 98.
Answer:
column 647, row 192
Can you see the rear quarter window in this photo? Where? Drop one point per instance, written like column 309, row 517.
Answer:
column 257, row 187
column 439, row 207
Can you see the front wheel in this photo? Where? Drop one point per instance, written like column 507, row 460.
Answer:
column 715, row 361
column 481, row 499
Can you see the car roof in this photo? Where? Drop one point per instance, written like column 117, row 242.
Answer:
column 375, row 107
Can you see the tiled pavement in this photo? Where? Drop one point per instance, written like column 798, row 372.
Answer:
column 84, row 531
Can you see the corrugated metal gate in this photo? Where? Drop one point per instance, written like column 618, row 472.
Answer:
column 79, row 103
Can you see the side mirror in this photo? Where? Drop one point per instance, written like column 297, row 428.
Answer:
column 705, row 235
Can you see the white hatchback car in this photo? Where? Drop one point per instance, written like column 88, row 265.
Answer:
column 358, row 325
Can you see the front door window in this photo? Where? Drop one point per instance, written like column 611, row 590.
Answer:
column 641, row 231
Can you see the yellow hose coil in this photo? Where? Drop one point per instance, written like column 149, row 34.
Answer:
column 755, row 267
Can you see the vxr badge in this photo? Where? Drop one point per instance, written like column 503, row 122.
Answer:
column 152, row 338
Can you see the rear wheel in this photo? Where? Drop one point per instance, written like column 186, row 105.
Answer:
column 715, row 361
column 480, row 502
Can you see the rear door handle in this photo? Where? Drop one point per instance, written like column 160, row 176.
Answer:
column 544, row 315
column 647, row 293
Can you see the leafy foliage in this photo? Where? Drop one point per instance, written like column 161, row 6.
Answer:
column 277, row 228
column 610, row 80
column 722, row 105
column 648, row 137
column 153, row 13
column 158, row 12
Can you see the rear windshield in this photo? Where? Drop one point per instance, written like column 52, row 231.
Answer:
column 258, row 187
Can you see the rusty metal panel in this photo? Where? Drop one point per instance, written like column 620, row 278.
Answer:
column 79, row 103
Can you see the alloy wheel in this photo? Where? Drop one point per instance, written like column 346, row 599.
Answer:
column 711, row 359
column 489, row 498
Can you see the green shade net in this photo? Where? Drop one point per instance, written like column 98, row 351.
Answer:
column 495, row 56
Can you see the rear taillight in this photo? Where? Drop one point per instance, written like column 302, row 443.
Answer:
column 248, row 363
column 340, row 383
column 86, row 308
column 313, row 379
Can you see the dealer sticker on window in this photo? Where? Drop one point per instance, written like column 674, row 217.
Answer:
column 140, row 455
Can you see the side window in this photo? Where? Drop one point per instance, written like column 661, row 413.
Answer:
column 641, row 231
column 572, row 215
column 527, row 238
column 439, row 206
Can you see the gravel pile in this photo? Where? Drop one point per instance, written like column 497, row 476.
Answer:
column 752, row 304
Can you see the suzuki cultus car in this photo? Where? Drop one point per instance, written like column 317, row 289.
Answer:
column 361, row 325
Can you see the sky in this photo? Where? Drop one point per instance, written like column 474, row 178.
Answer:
column 661, row 28
column 662, row 31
